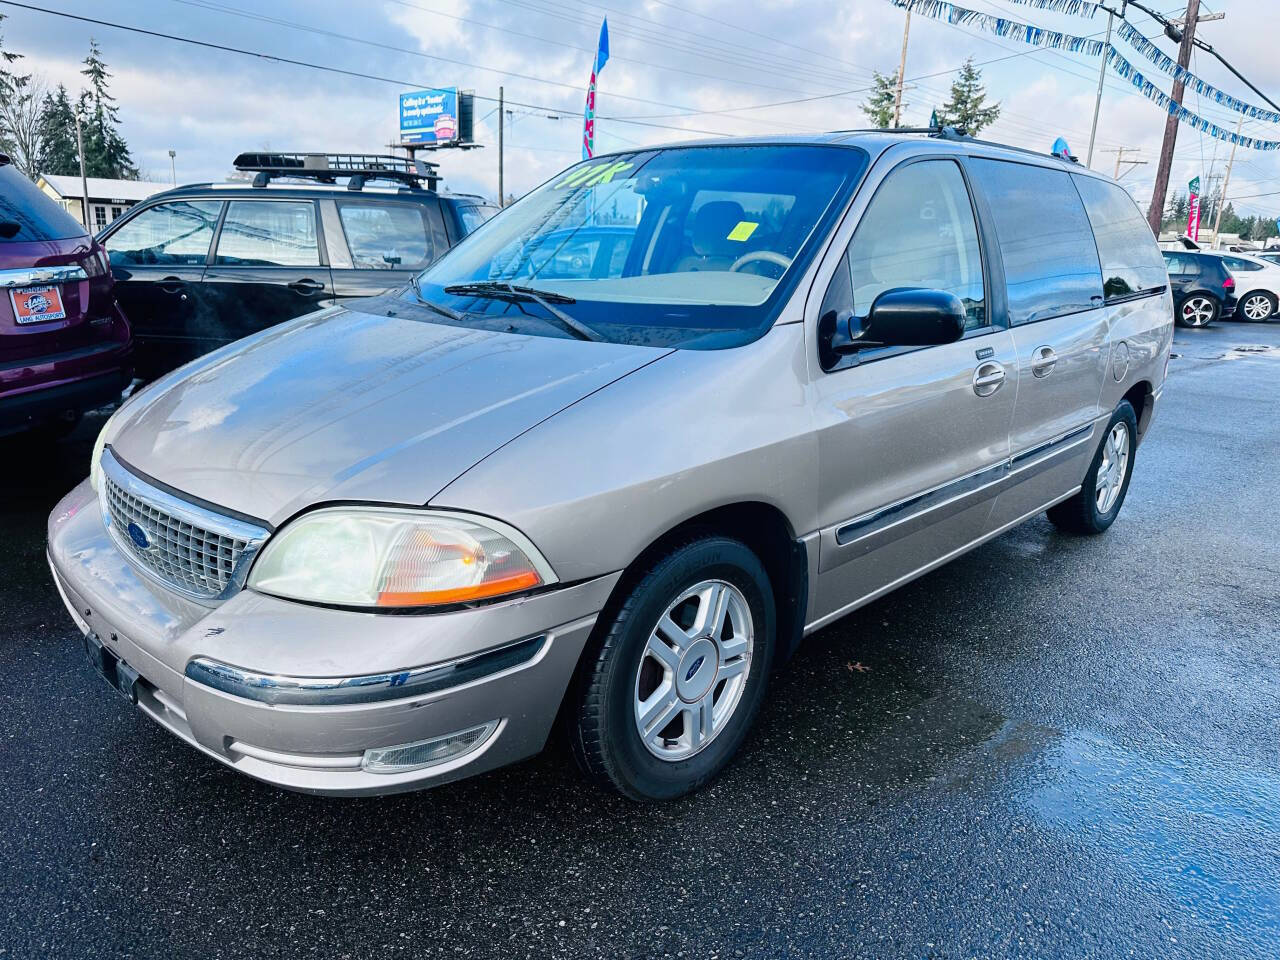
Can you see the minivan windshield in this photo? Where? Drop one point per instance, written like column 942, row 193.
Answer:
column 688, row 246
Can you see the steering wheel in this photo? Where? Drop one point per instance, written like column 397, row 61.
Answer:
column 768, row 255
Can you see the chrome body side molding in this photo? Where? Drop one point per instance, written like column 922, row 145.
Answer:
column 333, row 691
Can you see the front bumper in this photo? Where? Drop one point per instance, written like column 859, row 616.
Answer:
column 317, row 745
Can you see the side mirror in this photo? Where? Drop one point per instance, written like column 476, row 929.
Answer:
column 914, row 317
column 901, row 317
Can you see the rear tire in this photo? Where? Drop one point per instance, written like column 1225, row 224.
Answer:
column 1257, row 306
column 669, row 689
column 1198, row 310
column 1097, row 503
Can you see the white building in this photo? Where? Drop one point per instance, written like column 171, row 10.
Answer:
column 108, row 199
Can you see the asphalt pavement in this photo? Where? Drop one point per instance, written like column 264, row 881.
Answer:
column 1052, row 747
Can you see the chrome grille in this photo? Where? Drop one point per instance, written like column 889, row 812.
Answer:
column 196, row 551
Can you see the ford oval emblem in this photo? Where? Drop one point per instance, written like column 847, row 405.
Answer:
column 138, row 536
column 693, row 668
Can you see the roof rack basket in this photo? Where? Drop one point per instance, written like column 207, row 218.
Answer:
column 357, row 168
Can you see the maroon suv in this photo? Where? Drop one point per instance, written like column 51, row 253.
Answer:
column 64, row 341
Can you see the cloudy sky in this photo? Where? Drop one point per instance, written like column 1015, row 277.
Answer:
column 679, row 69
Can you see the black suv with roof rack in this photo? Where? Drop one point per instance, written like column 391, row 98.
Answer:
column 202, row 265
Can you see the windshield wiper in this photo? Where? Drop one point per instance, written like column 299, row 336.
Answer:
column 515, row 293
column 485, row 288
column 438, row 308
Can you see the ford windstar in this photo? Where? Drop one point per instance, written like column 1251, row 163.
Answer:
column 613, row 456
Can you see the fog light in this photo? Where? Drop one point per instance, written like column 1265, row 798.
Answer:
column 427, row 753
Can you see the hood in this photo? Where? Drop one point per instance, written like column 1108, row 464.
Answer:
column 349, row 405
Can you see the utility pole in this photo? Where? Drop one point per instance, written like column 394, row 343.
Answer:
column 502, row 114
column 1156, row 212
column 902, row 72
column 1102, row 75
column 1120, row 160
column 173, row 166
column 84, row 181
column 1226, row 182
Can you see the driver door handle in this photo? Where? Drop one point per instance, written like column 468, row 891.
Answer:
column 174, row 285
column 307, row 286
column 988, row 378
column 1043, row 360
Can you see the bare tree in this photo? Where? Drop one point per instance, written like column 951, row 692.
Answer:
column 21, row 116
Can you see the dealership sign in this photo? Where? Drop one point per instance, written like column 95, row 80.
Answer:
column 429, row 116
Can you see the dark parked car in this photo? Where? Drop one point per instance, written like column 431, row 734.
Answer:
column 64, row 342
column 205, row 264
column 1203, row 288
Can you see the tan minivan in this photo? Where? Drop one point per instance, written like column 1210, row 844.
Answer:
column 613, row 456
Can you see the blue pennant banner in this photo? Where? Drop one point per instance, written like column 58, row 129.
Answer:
column 1170, row 66
column 1171, row 106
column 1079, row 8
column 1002, row 27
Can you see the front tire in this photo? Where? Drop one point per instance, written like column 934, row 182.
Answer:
column 1257, row 306
column 678, row 671
column 1198, row 310
column 1097, row 504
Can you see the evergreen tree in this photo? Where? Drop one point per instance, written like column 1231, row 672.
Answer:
column 967, row 109
column 58, row 127
column 9, row 83
column 105, row 152
column 879, row 106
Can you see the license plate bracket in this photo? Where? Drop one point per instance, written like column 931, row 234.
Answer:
column 122, row 677
column 37, row 304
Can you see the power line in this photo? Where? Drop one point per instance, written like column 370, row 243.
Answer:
column 789, row 70
column 225, row 48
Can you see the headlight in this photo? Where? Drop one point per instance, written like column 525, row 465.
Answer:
column 376, row 557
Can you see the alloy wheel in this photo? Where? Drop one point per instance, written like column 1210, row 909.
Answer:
column 1114, row 467
column 693, row 670
column 1197, row 311
column 1257, row 306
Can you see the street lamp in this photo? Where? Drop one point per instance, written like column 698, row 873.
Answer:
column 173, row 168
column 84, row 181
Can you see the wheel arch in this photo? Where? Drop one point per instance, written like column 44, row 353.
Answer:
column 1141, row 398
column 765, row 529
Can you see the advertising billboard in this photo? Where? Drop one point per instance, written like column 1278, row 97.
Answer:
column 429, row 116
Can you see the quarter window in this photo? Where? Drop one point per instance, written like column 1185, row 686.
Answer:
column 474, row 215
column 386, row 236
column 919, row 231
column 1240, row 265
column 175, row 234
column 1050, row 260
column 1131, row 261
column 269, row 233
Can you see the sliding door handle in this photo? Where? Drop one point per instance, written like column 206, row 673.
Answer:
column 1043, row 360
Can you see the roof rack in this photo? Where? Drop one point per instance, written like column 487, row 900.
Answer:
column 357, row 168
column 955, row 133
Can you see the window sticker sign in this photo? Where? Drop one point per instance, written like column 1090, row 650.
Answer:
column 429, row 116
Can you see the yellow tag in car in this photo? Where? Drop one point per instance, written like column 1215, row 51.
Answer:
column 743, row 230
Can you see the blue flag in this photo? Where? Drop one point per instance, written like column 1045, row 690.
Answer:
column 589, row 114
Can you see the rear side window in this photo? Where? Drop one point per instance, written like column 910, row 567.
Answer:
column 1131, row 261
column 269, row 233
column 386, row 236
column 176, row 234
column 1050, row 260
column 27, row 214
column 1181, row 264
